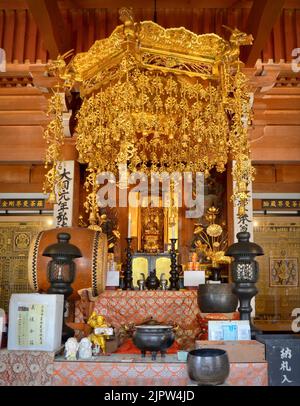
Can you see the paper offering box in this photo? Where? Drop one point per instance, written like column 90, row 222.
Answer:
column 229, row 330
column 35, row 322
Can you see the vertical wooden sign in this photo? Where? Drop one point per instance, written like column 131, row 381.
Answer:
column 63, row 210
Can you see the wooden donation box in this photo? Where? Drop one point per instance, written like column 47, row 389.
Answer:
column 238, row 351
column 283, row 356
column 146, row 262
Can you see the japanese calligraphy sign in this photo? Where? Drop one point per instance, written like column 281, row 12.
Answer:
column 8, row 204
column 283, row 356
column 31, row 325
column 63, row 210
column 293, row 204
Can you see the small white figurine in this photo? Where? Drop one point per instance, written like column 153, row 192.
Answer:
column 71, row 348
column 96, row 350
column 85, row 349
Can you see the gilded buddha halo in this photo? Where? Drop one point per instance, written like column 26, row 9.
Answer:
column 157, row 100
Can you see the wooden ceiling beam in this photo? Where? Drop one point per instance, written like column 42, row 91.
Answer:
column 261, row 20
column 55, row 35
column 170, row 4
column 150, row 4
column 146, row 4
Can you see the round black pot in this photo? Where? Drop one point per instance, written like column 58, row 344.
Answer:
column 153, row 339
column 217, row 298
column 208, row 366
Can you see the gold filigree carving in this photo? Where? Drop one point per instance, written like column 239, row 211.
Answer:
column 144, row 88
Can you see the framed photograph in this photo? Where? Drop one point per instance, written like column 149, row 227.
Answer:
column 284, row 272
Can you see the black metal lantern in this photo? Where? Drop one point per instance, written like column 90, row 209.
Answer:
column 244, row 271
column 61, row 272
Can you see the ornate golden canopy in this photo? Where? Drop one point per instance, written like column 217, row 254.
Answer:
column 159, row 100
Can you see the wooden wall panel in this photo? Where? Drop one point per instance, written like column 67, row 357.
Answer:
column 22, row 143
column 277, row 117
column 21, row 178
column 23, row 118
column 2, row 14
column 272, row 147
column 8, row 35
column 37, row 173
column 23, row 103
column 20, row 91
column 21, row 40
column 275, row 134
column 278, row 103
column 30, row 40
column 265, row 174
column 14, row 174
column 288, row 173
column 276, row 178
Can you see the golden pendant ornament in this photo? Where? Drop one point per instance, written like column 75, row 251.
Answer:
column 156, row 99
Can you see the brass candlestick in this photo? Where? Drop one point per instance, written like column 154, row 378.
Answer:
column 174, row 270
column 128, row 285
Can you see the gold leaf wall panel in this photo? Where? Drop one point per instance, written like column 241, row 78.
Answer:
column 15, row 239
column 278, row 285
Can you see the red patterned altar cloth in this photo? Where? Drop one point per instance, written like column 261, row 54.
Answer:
column 169, row 307
column 26, row 368
column 31, row 368
column 149, row 374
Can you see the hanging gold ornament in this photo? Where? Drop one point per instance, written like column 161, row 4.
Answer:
column 160, row 100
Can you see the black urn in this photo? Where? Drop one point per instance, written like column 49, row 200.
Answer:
column 217, row 298
column 152, row 281
column 153, row 338
column 209, row 366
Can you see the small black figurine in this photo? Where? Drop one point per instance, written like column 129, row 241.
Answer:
column 181, row 277
column 152, row 282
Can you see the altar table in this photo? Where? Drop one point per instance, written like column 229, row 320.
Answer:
column 132, row 370
column 122, row 307
column 24, row 368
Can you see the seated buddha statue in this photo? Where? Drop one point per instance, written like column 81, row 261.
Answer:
column 151, row 235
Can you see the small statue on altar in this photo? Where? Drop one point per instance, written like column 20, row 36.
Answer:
column 152, row 281
column 101, row 332
column 85, row 349
column 71, row 348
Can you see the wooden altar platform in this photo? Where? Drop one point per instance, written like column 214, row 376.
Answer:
column 169, row 307
column 36, row 368
column 121, row 307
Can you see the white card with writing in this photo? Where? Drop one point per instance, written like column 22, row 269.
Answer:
column 104, row 330
column 231, row 330
column 35, row 322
